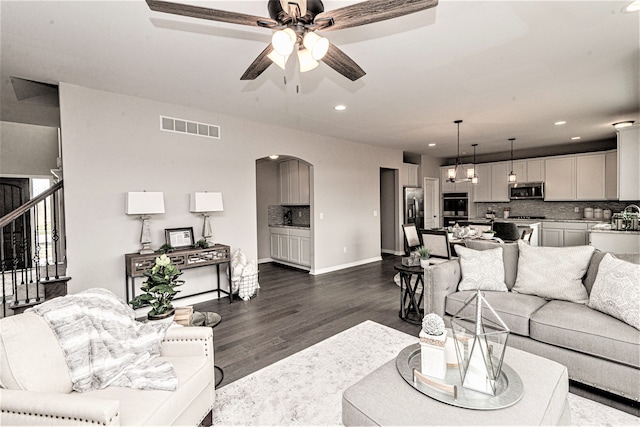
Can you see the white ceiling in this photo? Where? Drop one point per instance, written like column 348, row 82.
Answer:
column 507, row 68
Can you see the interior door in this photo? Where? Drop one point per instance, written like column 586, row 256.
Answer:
column 431, row 203
column 13, row 193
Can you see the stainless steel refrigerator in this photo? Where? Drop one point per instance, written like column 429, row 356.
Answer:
column 414, row 206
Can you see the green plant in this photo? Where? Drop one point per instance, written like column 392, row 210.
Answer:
column 424, row 252
column 202, row 244
column 160, row 287
column 166, row 248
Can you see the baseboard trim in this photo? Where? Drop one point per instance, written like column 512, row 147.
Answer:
column 343, row 266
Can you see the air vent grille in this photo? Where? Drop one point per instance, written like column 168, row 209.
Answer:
column 171, row 124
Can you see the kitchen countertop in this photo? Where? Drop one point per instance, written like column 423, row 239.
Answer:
column 615, row 231
column 537, row 220
column 303, row 227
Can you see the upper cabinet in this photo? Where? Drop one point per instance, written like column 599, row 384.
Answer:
column 611, row 175
column 294, row 182
column 579, row 177
column 528, row 170
column 492, row 184
column 560, row 178
column 590, row 177
column 409, row 175
column 628, row 161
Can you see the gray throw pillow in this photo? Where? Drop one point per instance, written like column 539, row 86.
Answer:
column 553, row 273
column 482, row 270
column 509, row 257
column 616, row 290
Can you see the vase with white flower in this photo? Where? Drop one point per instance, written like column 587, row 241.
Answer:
column 159, row 289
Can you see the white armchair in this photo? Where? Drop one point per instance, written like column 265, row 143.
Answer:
column 36, row 387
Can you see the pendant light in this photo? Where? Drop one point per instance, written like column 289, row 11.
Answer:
column 452, row 173
column 474, row 177
column 512, row 176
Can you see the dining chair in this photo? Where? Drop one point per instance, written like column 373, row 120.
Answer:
column 526, row 234
column 411, row 238
column 438, row 243
column 507, row 231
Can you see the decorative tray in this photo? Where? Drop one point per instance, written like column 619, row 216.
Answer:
column 449, row 390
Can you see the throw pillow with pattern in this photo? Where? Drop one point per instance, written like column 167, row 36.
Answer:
column 482, row 270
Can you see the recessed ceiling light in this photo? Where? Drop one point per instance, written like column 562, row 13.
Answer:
column 560, row 123
column 575, row 138
column 623, row 124
column 432, row 145
column 632, row 7
column 340, row 107
column 274, row 157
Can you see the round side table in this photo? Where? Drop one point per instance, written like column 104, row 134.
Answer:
column 210, row 319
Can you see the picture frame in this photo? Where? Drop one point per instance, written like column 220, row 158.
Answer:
column 179, row 238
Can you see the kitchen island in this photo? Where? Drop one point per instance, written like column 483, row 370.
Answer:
column 616, row 241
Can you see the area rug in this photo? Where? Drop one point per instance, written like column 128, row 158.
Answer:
column 306, row 388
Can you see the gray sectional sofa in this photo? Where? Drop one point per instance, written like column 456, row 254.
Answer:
column 598, row 350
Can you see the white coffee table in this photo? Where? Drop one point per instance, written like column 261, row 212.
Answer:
column 385, row 398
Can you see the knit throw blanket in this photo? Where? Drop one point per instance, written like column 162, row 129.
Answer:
column 104, row 345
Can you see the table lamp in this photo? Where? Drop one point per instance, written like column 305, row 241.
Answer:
column 144, row 204
column 204, row 203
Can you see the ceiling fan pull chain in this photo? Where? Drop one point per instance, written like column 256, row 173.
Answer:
column 285, row 80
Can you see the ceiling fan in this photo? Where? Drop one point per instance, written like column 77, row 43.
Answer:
column 295, row 23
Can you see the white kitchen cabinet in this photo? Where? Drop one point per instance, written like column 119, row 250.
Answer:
column 560, row 178
column 492, row 182
column 291, row 246
column 628, row 161
column 535, row 170
column 611, row 175
column 520, row 169
column 560, row 234
column 294, row 182
column 409, row 175
column 590, row 177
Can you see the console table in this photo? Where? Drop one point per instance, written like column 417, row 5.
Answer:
column 216, row 255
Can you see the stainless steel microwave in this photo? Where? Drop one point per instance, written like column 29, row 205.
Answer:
column 526, row 190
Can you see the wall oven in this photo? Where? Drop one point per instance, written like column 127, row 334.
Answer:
column 455, row 208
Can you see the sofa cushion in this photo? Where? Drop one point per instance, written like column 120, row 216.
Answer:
column 514, row 309
column 579, row 328
column 30, row 357
column 616, row 290
column 509, row 257
column 159, row 407
column 482, row 270
column 592, row 271
column 554, row 273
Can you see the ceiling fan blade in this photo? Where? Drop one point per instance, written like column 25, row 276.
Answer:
column 371, row 11
column 210, row 14
column 259, row 64
column 339, row 61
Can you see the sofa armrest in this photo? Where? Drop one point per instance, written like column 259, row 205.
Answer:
column 19, row 407
column 441, row 280
column 188, row 341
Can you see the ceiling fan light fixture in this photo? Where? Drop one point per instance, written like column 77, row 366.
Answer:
column 318, row 46
column 284, row 41
column 278, row 59
column 307, row 63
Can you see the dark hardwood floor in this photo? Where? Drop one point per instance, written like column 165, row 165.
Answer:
column 294, row 310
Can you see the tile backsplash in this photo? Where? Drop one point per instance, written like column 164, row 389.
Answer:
column 551, row 210
column 300, row 215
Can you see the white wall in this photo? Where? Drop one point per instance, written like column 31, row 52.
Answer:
column 112, row 144
column 27, row 150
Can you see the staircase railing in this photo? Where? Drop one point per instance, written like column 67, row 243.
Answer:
column 32, row 251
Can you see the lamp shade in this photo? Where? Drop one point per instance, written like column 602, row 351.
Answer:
column 206, row 202
column 144, row 202
column 307, row 63
column 283, row 41
column 317, row 46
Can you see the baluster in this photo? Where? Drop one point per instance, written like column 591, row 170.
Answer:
column 24, row 258
column 55, row 237
column 3, row 269
column 14, row 267
column 36, row 250
column 46, row 240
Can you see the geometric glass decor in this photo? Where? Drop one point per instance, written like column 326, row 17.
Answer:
column 480, row 339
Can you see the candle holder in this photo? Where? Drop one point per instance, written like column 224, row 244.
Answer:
column 480, row 340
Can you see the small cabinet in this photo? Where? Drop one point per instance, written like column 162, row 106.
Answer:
column 611, row 175
column 294, row 182
column 535, row 170
column 291, row 245
column 492, row 182
column 560, row 234
column 628, row 160
column 560, row 178
column 590, row 177
column 409, row 176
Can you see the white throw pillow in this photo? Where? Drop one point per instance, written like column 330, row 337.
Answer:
column 616, row 290
column 482, row 270
column 553, row 273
